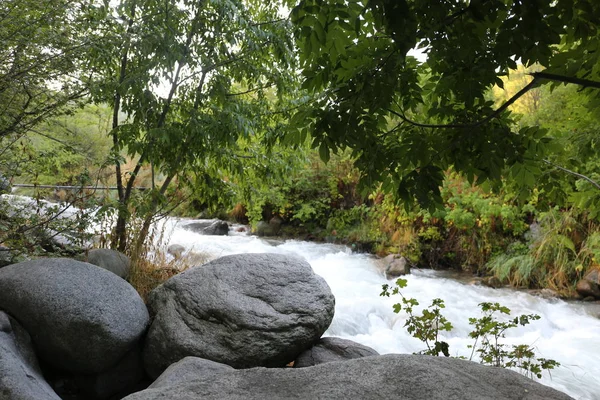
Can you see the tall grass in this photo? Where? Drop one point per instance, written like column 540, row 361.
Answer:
column 565, row 248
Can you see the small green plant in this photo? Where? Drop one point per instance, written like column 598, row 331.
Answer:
column 425, row 327
column 488, row 333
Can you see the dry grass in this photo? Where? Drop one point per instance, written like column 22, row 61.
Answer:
column 152, row 265
column 148, row 272
column 152, row 269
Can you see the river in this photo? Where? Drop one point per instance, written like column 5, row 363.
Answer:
column 568, row 332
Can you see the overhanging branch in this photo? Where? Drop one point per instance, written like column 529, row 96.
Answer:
column 493, row 115
column 568, row 171
column 537, row 77
column 565, row 79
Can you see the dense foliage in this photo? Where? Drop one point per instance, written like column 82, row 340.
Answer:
column 202, row 103
column 408, row 121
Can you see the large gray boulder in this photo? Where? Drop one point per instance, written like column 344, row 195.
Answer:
column 110, row 260
column 188, row 369
column 20, row 375
column 81, row 318
column 243, row 310
column 393, row 376
column 331, row 349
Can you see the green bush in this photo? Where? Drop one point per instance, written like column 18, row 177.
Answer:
column 488, row 332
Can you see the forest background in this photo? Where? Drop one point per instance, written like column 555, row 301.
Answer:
column 483, row 157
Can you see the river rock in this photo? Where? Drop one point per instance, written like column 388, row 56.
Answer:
column 20, row 374
column 110, row 260
column 587, row 289
column 188, row 369
column 263, row 229
column 176, row 250
column 217, row 227
column 395, row 265
column 491, row 282
column 332, row 349
column 244, row 310
column 81, row 318
column 275, row 223
column 589, row 286
column 392, row 376
column 270, row 228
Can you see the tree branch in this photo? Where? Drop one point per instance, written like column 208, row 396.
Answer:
column 250, row 90
column 566, row 79
column 568, row 171
column 493, row 115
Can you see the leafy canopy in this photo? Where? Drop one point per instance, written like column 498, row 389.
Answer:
column 408, row 121
column 194, row 79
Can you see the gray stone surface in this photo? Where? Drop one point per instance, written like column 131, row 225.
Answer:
column 20, row 375
column 216, row 227
column 81, row 318
column 392, row 376
column 114, row 383
column 188, row 369
column 243, row 310
column 396, row 266
column 220, row 228
column 176, row 250
column 110, row 260
column 587, row 288
column 5, row 256
column 331, row 349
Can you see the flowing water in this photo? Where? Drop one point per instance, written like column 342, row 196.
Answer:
column 566, row 332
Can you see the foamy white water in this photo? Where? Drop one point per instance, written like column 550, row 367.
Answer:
column 566, row 332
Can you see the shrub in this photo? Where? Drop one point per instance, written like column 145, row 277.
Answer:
column 488, row 333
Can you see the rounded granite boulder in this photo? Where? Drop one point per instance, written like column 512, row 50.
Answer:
column 20, row 374
column 81, row 318
column 244, row 310
column 111, row 260
column 391, row 376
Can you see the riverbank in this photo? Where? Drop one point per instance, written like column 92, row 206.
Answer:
column 465, row 253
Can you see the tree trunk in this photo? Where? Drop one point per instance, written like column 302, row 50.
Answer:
column 143, row 234
column 119, row 239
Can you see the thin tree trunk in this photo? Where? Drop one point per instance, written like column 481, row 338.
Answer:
column 119, row 240
column 143, row 234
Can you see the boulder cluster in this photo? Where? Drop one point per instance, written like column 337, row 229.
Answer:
column 245, row 326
